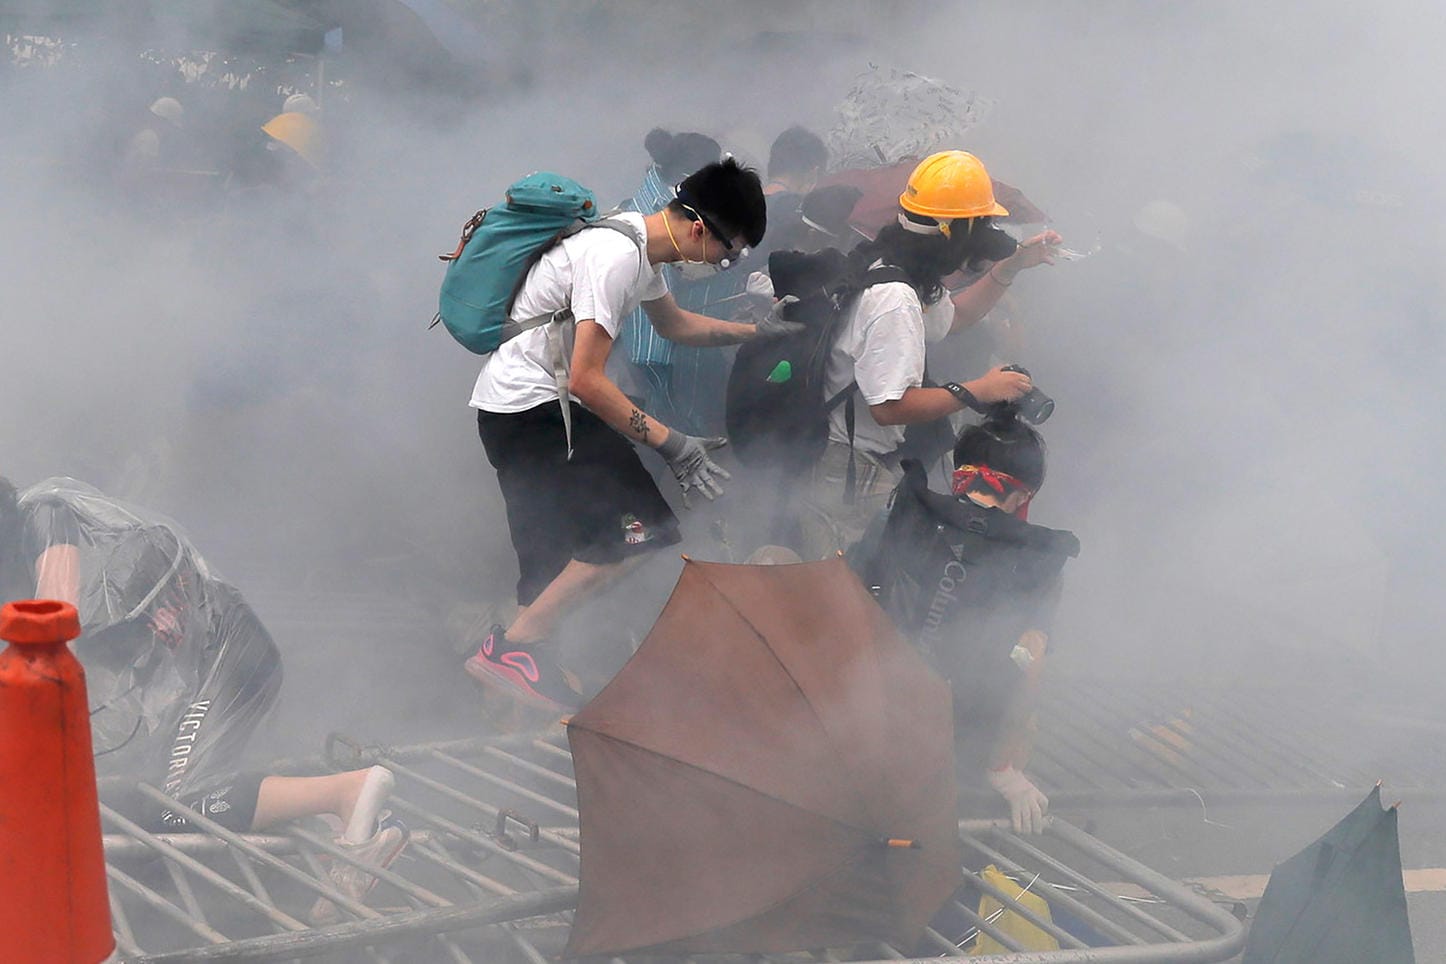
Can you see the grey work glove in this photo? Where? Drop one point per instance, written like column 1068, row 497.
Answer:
column 687, row 456
column 773, row 324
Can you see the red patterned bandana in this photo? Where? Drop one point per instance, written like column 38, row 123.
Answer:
column 965, row 476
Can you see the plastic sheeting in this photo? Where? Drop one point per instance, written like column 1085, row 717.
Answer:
column 178, row 668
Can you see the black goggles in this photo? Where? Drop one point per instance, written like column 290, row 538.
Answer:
column 695, row 215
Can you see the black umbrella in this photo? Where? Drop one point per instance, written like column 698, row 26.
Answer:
column 1339, row 901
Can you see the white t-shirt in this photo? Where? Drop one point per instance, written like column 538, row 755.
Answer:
column 602, row 276
column 882, row 348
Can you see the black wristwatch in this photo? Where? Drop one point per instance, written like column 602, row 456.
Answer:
column 965, row 396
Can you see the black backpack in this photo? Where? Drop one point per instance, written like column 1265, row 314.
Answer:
column 776, row 413
column 962, row 582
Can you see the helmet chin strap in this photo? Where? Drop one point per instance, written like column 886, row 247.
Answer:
column 914, row 227
column 944, row 227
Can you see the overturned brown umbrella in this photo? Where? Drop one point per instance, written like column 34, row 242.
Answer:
column 772, row 771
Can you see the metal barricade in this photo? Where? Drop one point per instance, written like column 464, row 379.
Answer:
column 491, row 874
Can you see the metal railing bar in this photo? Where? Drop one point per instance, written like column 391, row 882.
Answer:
column 126, row 947
column 483, row 841
column 530, row 767
column 1063, row 870
column 1013, row 905
column 1232, row 932
column 552, row 749
column 1065, row 799
column 987, row 927
column 183, row 890
column 453, row 951
column 436, row 854
column 1056, row 895
column 121, row 925
column 156, row 902
column 380, row 873
column 175, row 857
column 319, row 885
column 480, row 805
column 366, row 933
column 526, row 946
column 366, row 755
column 253, row 879
column 123, row 846
column 942, row 943
column 508, row 785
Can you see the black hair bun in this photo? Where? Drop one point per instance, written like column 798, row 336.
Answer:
column 659, row 145
column 1002, row 420
column 678, row 155
column 801, row 275
column 830, row 207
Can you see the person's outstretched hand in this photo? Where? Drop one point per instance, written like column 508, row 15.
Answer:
column 687, row 456
column 773, row 324
column 1043, row 248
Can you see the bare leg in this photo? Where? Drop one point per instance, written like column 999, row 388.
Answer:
column 577, row 581
column 288, row 798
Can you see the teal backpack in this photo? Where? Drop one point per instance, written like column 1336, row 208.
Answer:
column 498, row 248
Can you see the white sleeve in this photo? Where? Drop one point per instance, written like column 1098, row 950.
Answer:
column 604, row 274
column 655, row 287
column 938, row 318
column 891, row 356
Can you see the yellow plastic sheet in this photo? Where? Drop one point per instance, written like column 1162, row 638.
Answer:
column 1025, row 934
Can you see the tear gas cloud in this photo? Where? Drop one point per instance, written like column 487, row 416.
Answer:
column 1248, row 433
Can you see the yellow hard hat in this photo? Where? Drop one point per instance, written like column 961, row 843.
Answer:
column 298, row 132
column 948, row 185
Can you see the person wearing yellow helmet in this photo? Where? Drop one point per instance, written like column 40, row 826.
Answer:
column 300, row 133
column 944, row 223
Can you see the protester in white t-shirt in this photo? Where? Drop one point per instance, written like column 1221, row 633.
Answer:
column 578, row 519
column 943, row 224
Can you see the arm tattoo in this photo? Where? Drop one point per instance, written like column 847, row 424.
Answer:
column 638, row 422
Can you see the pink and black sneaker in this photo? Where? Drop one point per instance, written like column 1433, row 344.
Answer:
column 522, row 673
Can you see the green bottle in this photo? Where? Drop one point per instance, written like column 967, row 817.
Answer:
column 781, row 373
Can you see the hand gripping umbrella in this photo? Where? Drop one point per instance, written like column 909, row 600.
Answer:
column 772, row 771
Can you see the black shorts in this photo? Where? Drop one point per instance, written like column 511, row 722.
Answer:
column 229, row 799
column 601, row 507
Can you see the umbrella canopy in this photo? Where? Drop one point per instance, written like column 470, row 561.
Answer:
column 1339, row 900
column 890, row 115
column 741, row 779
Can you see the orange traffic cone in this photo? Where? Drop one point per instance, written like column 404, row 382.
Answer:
column 53, row 907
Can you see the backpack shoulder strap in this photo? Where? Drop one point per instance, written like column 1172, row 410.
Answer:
column 874, row 276
column 621, row 227
column 512, row 328
column 558, row 344
column 883, row 274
